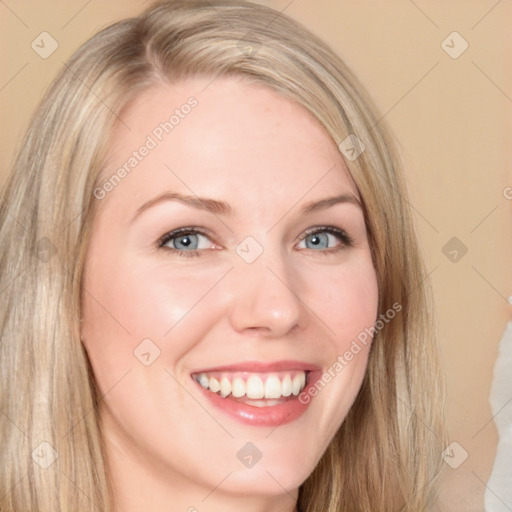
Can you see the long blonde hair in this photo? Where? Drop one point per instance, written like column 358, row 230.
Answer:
column 386, row 455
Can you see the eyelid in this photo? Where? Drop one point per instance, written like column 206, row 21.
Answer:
column 342, row 235
column 345, row 239
column 188, row 230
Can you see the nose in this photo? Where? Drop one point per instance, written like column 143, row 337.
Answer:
column 265, row 300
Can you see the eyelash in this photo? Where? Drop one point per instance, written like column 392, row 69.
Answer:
column 177, row 233
column 346, row 240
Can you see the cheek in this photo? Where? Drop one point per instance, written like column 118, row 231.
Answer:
column 164, row 297
column 126, row 302
column 348, row 307
column 347, row 302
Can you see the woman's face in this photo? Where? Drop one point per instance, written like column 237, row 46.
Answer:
column 231, row 252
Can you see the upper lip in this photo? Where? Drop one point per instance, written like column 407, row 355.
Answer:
column 262, row 367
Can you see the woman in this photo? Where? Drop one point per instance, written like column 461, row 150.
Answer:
column 214, row 296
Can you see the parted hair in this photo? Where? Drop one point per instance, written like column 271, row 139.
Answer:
column 386, row 456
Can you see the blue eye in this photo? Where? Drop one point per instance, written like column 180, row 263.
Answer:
column 189, row 242
column 186, row 242
column 327, row 239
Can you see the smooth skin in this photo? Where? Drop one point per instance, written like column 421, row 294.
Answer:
column 305, row 298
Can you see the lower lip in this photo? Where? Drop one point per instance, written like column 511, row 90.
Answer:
column 269, row 416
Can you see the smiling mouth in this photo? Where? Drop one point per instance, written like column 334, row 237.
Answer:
column 254, row 388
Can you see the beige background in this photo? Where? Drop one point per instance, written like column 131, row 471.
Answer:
column 452, row 119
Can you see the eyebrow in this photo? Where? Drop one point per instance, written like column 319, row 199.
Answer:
column 200, row 203
column 323, row 204
column 222, row 208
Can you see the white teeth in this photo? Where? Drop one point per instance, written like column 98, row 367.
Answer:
column 274, row 387
column 297, row 383
column 286, row 386
column 238, row 387
column 214, row 384
column 265, row 403
column 254, row 387
column 225, row 387
column 203, row 380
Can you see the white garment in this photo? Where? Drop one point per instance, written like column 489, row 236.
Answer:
column 498, row 494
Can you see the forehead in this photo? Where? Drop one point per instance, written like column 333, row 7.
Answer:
column 223, row 137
